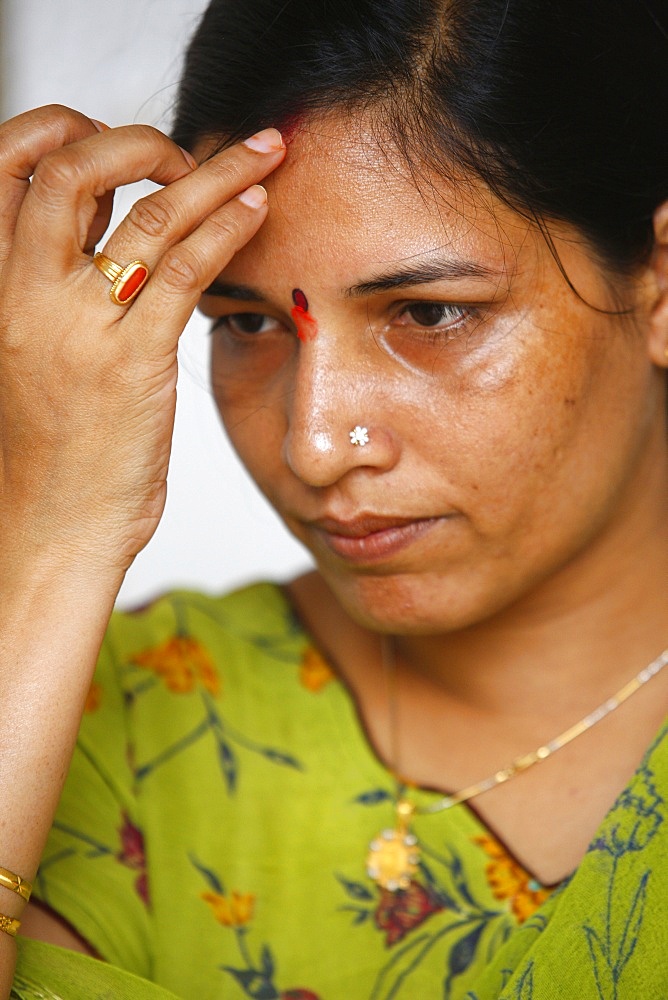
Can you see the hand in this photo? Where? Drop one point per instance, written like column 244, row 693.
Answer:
column 87, row 388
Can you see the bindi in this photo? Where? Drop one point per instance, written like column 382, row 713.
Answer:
column 307, row 328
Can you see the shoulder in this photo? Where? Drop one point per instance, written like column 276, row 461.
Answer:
column 264, row 601
column 187, row 642
column 256, row 615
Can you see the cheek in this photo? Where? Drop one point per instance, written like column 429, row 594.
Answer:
column 248, row 374
column 519, row 419
column 250, row 389
column 257, row 438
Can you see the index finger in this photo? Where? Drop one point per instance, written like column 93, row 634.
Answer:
column 69, row 181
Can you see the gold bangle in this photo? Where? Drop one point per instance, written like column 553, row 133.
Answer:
column 15, row 883
column 9, row 925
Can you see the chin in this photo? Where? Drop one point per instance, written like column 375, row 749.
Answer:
column 413, row 605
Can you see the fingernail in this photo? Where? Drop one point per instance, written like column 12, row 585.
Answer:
column 100, row 126
column 254, row 197
column 189, row 158
column 269, row 140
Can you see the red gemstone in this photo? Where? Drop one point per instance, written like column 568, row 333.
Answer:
column 130, row 286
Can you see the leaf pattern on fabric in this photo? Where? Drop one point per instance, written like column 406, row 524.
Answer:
column 235, row 910
column 188, row 668
column 374, row 797
column 462, row 955
column 631, row 825
column 524, row 989
column 635, row 818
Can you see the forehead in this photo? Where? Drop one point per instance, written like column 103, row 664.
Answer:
column 346, row 202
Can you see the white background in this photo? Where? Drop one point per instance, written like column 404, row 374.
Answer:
column 119, row 62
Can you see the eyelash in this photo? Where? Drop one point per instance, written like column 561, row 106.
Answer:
column 231, row 318
column 457, row 314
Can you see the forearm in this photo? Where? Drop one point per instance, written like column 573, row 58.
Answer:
column 87, row 399
column 52, row 621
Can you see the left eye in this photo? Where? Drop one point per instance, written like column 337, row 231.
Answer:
column 432, row 314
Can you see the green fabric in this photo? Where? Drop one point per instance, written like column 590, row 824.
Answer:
column 213, row 831
column 64, row 975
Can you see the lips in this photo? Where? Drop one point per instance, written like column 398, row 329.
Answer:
column 367, row 524
column 371, row 538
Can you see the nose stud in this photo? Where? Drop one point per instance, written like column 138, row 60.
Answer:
column 359, row 435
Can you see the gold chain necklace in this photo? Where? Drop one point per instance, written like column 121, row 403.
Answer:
column 394, row 855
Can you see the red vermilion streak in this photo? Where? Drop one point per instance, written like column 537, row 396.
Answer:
column 290, row 126
column 307, row 328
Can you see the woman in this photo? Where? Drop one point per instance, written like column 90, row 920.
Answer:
column 441, row 353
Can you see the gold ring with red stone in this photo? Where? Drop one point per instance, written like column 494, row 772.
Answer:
column 126, row 282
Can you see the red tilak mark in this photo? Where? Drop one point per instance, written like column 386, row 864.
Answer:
column 307, row 328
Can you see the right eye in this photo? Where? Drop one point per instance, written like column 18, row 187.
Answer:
column 245, row 323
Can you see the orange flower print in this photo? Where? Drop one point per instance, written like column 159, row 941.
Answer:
column 314, row 671
column 235, row 910
column 93, row 698
column 182, row 662
column 508, row 880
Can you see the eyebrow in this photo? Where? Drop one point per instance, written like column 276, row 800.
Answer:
column 422, row 274
column 401, row 277
column 225, row 289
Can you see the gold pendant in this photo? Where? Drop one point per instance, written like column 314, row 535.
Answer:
column 394, row 855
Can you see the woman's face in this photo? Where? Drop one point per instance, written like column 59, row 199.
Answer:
column 511, row 426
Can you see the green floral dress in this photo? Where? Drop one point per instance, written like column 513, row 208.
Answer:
column 213, row 833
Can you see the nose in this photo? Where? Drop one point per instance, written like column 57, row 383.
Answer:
column 338, row 417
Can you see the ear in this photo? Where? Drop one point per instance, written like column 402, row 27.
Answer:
column 658, row 332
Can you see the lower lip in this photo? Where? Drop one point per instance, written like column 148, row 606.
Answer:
column 378, row 545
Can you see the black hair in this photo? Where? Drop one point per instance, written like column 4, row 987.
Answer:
column 560, row 106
